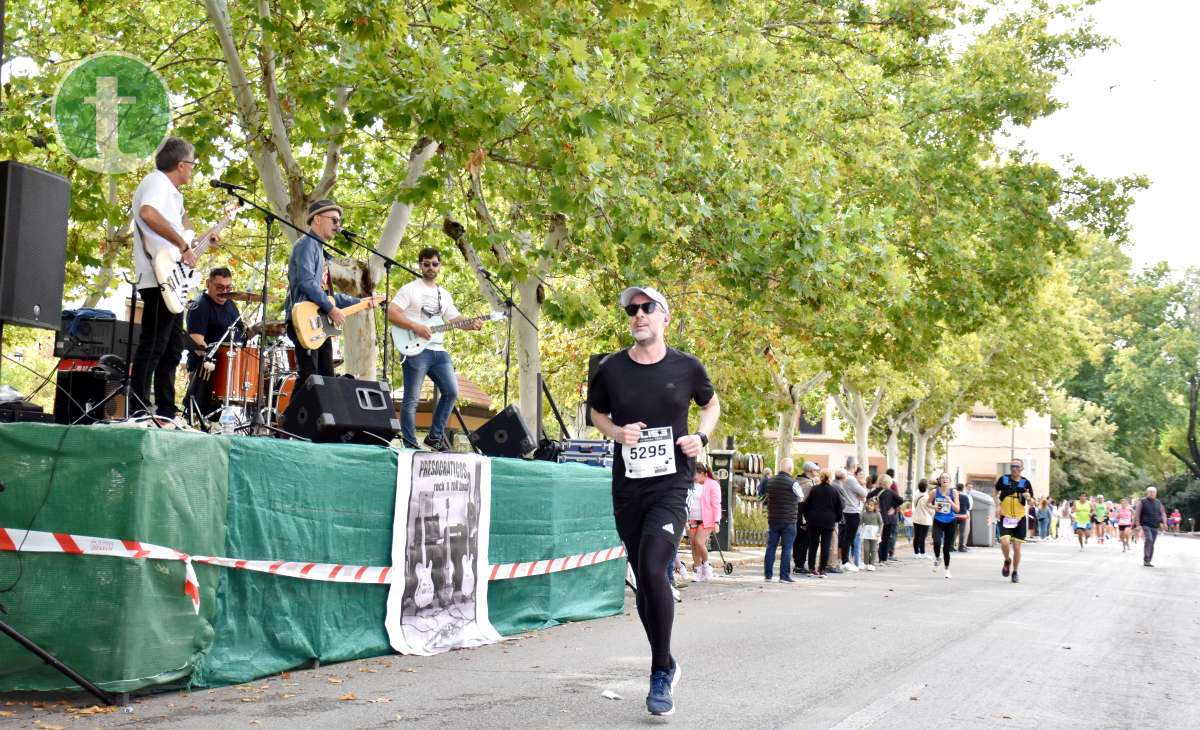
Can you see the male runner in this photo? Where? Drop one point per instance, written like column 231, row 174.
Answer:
column 639, row 398
column 1012, row 490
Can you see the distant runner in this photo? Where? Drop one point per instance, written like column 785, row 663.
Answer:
column 1083, row 518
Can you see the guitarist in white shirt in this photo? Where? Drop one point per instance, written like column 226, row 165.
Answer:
column 159, row 222
column 415, row 304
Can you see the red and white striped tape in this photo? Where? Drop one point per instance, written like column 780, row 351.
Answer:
column 554, row 565
column 33, row 541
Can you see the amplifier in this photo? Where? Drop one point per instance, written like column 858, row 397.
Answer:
column 93, row 338
column 80, row 390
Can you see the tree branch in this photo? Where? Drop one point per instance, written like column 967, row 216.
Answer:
column 333, row 151
column 400, row 213
column 279, row 136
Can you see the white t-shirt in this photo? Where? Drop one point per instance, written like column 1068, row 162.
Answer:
column 419, row 302
column 157, row 191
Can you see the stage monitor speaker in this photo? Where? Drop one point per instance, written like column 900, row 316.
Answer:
column 504, row 435
column 342, row 410
column 593, row 365
column 34, row 205
column 79, row 390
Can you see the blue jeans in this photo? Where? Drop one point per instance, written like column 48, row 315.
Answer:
column 856, row 548
column 436, row 364
column 776, row 536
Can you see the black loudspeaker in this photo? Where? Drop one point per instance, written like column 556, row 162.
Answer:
column 33, row 244
column 342, row 410
column 593, row 365
column 504, row 435
column 78, row 391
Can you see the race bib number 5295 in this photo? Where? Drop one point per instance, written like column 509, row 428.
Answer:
column 652, row 456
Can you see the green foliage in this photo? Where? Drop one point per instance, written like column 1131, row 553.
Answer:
column 1083, row 458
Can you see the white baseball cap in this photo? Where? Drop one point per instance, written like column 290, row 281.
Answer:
column 654, row 294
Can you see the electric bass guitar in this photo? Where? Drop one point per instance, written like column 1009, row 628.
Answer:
column 409, row 343
column 175, row 278
column 313, row 326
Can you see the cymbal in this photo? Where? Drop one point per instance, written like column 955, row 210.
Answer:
column 245, row 296
column 268, row 328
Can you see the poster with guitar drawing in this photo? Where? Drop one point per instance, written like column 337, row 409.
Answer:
column 440, row 537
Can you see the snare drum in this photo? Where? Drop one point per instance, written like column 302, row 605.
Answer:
column 236, row 376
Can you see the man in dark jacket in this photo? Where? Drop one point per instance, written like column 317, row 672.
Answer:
column 783, row 506
column 889, row 507
column 1150, row 516
column 822, row 511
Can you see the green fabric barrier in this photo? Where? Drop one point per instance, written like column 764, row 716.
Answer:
column 578, row 500
column 124, row 624
column 289, row 502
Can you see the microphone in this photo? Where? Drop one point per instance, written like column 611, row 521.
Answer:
column 348, row 233
column 220, row 185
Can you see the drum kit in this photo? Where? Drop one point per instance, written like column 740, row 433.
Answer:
column 235, row 378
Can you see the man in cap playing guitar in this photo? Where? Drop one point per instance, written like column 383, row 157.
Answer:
column 308, row 281
column 418, row 302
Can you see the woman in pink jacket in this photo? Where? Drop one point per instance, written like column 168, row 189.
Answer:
column 704, row 514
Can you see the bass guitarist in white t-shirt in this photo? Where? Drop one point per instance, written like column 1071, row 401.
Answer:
column 419, row 303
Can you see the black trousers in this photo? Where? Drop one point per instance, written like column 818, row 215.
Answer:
column 920, row 532
column 846, row 533
column 159, row 349
column 311, row 362
column 887, row 546
column 962, row 534
column 823, row 538
column 800, row 546
column 943, row 541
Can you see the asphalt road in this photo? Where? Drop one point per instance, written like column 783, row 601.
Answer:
column 1087, row 639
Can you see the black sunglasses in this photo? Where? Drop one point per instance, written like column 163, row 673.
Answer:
column 647, row 307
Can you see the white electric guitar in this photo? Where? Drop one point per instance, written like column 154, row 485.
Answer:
column 409, row 343
column 177, row 279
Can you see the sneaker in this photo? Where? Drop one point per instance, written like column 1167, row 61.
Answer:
column 708, row 571
column 935, row 565
column 438, row 444
column 1007, row 567
column 675, row 594
column 820, row 574
column 1147, row 564
column 947, row 572
column 698, row 575
column 850, row 567
column 870, row 567
column 833, row 570
column 786, row 580
column 1015, row 579
column 662, row 687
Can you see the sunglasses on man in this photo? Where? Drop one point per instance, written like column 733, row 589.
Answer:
column 647, row 307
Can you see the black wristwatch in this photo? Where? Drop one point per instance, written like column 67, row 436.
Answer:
column 703, row 438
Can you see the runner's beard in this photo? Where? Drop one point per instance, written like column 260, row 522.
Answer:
column 645, row 337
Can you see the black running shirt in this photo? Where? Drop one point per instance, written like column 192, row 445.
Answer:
column 658, row 395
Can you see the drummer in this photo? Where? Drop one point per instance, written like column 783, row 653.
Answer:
column 208, row 320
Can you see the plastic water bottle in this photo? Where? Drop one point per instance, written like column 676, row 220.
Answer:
column 228, row 420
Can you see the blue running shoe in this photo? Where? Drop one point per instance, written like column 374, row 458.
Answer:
column 662, row 685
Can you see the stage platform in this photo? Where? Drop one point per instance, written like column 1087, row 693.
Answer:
column 124, row 623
